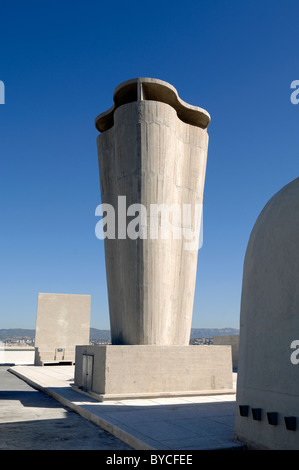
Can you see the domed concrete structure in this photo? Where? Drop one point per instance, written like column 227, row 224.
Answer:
column 268, row 380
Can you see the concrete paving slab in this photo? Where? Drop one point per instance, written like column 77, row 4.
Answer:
column 182, row 423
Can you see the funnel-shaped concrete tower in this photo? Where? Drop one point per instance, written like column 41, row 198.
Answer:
column 152, row 152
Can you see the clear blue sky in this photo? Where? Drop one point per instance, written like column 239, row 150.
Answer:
column 60, row 62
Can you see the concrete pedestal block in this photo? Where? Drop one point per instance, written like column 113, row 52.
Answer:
column 115, row 372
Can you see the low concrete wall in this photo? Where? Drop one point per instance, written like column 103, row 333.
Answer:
column 16, row 355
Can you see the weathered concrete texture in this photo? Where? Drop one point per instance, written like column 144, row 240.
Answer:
column 148, row 154
column 267, row 379
column 233, row 341
column 62, row 322
column 153, row 371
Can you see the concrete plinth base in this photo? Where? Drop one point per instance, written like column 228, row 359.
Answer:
column 114, row 372
column 54, row 356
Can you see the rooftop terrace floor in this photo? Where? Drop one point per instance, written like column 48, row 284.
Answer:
column 175, row 423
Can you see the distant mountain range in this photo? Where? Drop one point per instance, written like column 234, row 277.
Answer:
column 104, row 335
column 210, row 332
column 16, row 333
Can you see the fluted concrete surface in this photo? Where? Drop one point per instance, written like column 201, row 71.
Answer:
column 152, row 157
